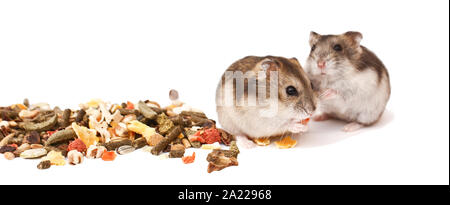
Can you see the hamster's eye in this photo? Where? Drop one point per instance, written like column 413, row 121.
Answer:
column 337, row 47
column 312, row 86
column 313, row 48
column 290, row 90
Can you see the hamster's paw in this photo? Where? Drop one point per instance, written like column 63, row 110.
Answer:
column 244, row 142
column 328, row 94
column 351, row 127
column 298, row 128
column 320, row 117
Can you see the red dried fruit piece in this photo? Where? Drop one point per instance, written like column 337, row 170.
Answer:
column 109, row 156
column 77, row 144
column 130, row 105
column 208, row 136
column 211, row 135
column 188, row 159
column 197, row 137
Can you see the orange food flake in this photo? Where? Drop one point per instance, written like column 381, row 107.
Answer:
column 109, row 156
column 262, row 141
column 188, row 159
column 286, row 142
column 130, row 105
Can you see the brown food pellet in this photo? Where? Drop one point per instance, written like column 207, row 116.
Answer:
column 66, row 118
column 114, row 144
column 173, row 134
column 168, row 148
column 44, row 164
column 155, row 139
column 176, row 153
column 80, row 115
column 139, row 143
column 177, row 147
column 32, row 138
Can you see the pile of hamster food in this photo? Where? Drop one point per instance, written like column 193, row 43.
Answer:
column 104, row 130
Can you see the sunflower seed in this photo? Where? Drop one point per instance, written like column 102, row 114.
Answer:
column 125, row 149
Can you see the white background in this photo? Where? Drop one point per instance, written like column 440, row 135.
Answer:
column 67, row 52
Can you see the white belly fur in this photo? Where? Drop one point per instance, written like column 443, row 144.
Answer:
column 359, row 97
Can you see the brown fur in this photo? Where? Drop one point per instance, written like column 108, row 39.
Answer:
column 289, row 70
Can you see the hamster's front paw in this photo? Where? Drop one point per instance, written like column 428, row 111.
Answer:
column 328, row 94
column 298, row 128
column 351, row 127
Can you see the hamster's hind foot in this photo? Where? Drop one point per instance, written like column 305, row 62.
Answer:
column 351, row 127
column 320, row 117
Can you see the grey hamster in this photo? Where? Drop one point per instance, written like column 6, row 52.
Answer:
column 353, row 84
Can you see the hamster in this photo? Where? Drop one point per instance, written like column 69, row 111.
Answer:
column 353, row 84
column 283, row 99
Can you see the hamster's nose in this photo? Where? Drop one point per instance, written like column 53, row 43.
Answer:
column 321, row 64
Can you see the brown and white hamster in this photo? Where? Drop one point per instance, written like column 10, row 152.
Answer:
column 288, row 97
column 353, row 84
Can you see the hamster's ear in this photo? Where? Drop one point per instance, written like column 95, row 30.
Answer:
column 267, row 65
column 313, row 38
column 294, row 61
column 356, row 37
